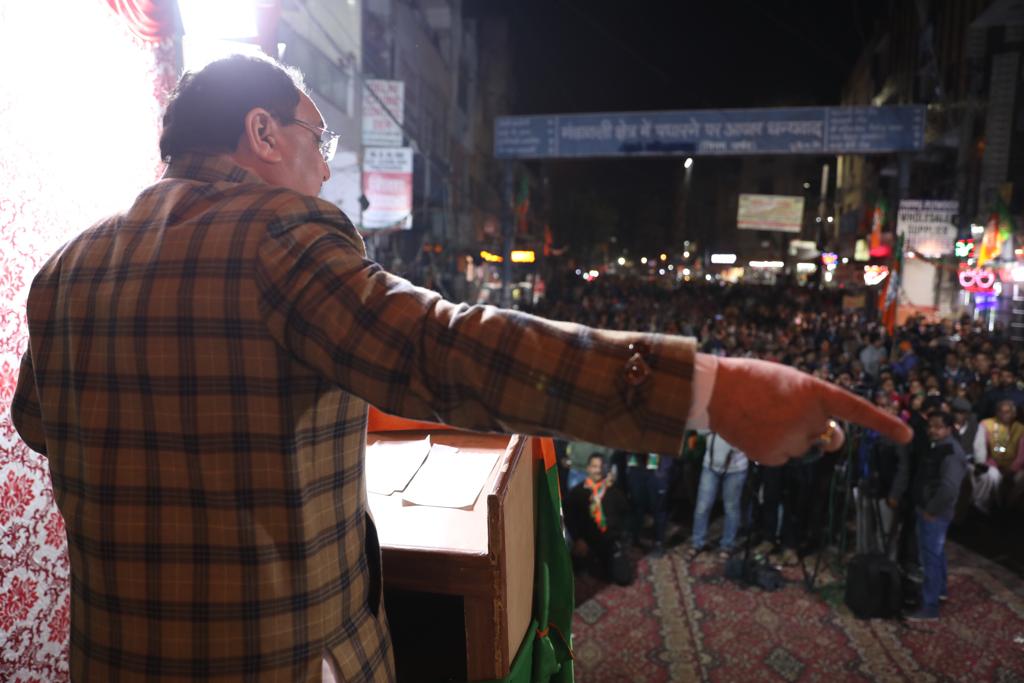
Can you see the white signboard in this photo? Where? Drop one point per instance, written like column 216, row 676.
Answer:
column 770, row 212
column 928, row 225
column 380, row 129
column 387, row 185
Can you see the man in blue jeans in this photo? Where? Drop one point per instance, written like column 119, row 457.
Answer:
column 936, row 487
column 724, row 466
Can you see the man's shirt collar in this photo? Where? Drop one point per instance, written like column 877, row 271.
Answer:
column 209, row 168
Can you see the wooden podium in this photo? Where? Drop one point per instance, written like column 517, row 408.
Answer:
column 445, row 568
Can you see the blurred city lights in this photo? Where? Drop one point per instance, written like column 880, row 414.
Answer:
column 494, row 258
column 873, row 275
column 688, row 163
column 643, row 259
column 723, row 259
column 523, row 256
column 663, row 256
column 686, row 254
column 621, row 261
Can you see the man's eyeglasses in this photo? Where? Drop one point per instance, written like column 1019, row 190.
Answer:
column 327, row 140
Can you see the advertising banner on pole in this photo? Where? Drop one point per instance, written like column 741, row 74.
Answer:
column 928, row 225
column 380, row 129
column 387, row 185
column 780, row 213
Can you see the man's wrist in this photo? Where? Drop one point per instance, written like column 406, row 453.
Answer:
column 705, row 367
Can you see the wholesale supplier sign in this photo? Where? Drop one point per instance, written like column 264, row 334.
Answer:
column 387, row 185
column 776, row 212
column 928, row 226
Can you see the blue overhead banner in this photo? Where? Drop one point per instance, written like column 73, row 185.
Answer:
column 797, row 130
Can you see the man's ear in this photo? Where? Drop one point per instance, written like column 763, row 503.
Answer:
column 262, row 134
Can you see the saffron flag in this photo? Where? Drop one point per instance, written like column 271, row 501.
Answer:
column 889, row 299
column 998, row 234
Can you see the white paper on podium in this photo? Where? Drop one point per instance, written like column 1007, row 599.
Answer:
column 450, row 478
column 391, row 464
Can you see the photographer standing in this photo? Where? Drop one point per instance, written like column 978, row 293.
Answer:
column 935, row 490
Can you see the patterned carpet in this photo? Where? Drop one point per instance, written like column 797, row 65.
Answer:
column 684, row 622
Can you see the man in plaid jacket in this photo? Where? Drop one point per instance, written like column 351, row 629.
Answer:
column 198, row 374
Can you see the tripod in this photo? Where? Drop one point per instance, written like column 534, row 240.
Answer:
column 747, row 570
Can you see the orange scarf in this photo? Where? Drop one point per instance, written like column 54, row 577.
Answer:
column 597, row 491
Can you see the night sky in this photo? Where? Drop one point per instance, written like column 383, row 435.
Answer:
column 603, row 55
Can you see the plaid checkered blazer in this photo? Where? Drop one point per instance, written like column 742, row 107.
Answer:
column 198, row 374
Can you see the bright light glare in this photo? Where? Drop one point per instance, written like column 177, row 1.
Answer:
column 198, row 51
column 767, row 264
column 1018, row 274
column 46, row 197
column 806, row 267
column 621, row 261
column 977, row 229
column 686, row 254
column 593, row 273
column 221, row 19
column 643, row 260
column 723, row 259
column 661, row 271
column 688, row 163
column 663, row 256
column 686, row 272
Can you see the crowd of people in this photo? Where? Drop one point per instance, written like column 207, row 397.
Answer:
column 957, row 383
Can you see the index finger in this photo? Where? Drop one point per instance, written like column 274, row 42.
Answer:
column 847, row 406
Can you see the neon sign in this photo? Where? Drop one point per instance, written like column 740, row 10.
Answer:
column 875, row 274
column 964, row 248
column 977, row 279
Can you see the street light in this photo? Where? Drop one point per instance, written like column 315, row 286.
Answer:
column 688, row 163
